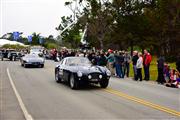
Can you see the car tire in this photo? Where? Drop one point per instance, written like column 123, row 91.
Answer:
column 57, row 77
column 104, row 83
column 73, row 82
column 13, row 58
column 25, row 66
column 41, row 65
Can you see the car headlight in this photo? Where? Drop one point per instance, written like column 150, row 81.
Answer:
column 100, row 76
column 79, row 74
column 108, row 73
column 89, row 76
column 41, row 60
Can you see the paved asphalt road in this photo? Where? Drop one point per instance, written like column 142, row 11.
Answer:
column 44, row 99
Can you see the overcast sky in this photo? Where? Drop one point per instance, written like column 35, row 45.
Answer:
column 28, row 16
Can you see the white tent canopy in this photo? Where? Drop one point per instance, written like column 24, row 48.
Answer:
column 4, row 41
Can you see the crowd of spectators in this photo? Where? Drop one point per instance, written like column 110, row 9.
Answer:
column 118, row 62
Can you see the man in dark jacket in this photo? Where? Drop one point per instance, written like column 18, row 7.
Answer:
column 121, row 64
column 127, row 60
column 160, row 66
column 102, row 59
column 178, row 63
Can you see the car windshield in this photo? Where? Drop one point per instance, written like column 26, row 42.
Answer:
column 13, row 53
column 31, row 56
column 78, row 61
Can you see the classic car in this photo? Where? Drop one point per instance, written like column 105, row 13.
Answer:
column 12, row 56
column 1, row 56
column 32, row 60
column 79, row 70
column 4, row 53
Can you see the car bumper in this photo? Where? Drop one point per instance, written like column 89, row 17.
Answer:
column 85, row 79
column 34, row 63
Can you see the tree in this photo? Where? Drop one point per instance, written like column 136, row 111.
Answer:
column 119, row 24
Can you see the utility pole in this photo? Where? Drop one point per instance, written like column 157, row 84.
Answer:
column 74, row 21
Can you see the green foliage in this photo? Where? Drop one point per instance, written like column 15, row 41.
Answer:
column 13, row 46
column 71, row 37
column 51, row 45
column 120, row 24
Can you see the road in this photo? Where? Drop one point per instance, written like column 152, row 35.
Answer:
column 44, row 99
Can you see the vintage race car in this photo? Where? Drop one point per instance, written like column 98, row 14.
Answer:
column 79, row 70
column 32, row 60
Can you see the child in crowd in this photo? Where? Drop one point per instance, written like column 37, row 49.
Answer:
column 166, row 72
column 177, row 79
column 174, row 79
column 172, row 75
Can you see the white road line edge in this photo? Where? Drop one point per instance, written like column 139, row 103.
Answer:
column 23, row 108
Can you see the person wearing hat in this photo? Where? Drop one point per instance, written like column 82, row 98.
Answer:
column 111, row 61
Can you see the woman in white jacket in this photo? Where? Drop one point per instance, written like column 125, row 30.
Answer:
column 139, row 66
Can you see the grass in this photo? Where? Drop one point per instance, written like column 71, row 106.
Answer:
column 153, row 69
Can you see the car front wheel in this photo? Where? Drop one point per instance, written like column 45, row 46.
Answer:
column 25, row 66
column 57, row 78
column 73, row 82
column 41, row 65
column 104, row 83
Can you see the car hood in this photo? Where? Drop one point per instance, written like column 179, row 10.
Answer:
column 88, row 69
column 34, row 59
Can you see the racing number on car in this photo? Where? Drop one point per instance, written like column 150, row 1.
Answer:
column 61, row 71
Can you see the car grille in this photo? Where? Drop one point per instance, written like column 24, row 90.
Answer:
column 95, row 75
column 35, row 63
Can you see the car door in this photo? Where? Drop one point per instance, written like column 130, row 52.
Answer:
column 66, row 70
column 61, row 67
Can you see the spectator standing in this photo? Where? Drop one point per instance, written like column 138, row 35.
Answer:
column 111, row 61
column 121, row 63
column 146, row 63
column 178, row 63
column 139, row 66
column 127, row 60
column 94, row 59
column 54, row 54
column 102, row 59
column 90, row 54
column 160, row 66
column 134, row 62
column 117, row 64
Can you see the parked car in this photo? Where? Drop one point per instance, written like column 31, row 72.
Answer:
column 1, row 56
column 32, row 60
column 12, row 56
column 5, row 53
column 79, row 70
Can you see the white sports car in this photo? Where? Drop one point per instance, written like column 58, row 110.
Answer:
column 32, row 60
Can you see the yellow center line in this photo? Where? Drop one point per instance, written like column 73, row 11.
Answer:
column 146, row 103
